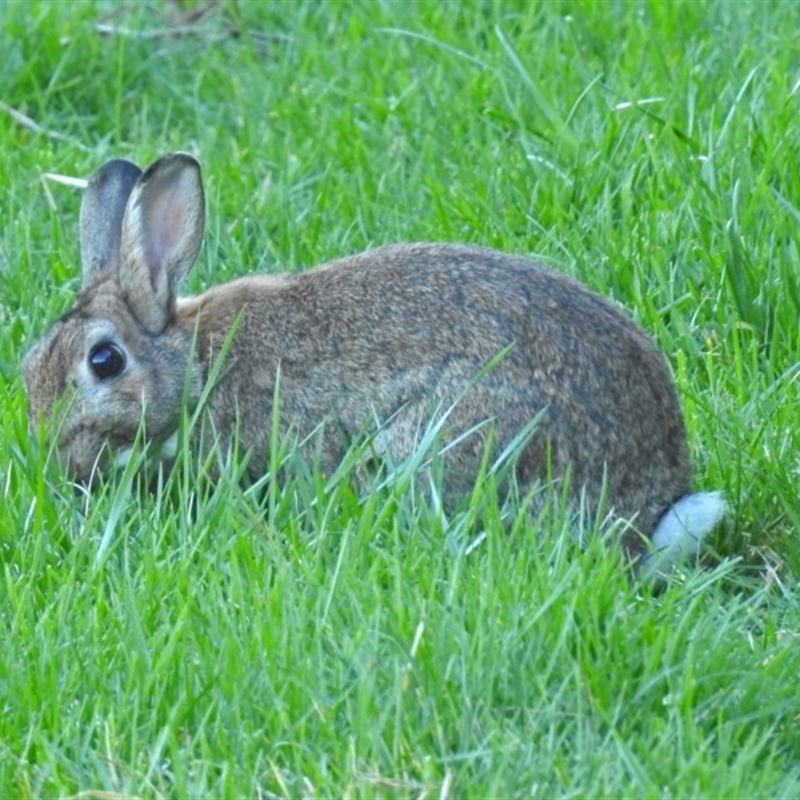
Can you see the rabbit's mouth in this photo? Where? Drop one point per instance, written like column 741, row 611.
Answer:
column 167, row 452
column 113, row 458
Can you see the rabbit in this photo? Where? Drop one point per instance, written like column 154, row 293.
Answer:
column 391, row 334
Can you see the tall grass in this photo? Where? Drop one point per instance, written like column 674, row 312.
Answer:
column 209, row 639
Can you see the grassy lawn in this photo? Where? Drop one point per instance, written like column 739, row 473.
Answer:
column 207, row 639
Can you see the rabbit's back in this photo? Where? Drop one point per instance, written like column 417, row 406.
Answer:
column 395, row 333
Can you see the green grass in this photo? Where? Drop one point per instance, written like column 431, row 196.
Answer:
column 210, row 640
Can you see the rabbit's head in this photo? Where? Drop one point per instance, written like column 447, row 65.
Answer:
column 116, row 361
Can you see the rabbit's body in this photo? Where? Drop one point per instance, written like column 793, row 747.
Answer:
column 393, row 335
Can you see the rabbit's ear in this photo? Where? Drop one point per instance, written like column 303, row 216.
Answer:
column 161, row 235
column 102, row 209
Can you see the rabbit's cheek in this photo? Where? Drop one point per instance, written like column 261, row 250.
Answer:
column 81, row 451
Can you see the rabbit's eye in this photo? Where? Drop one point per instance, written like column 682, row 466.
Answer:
column 106, row 360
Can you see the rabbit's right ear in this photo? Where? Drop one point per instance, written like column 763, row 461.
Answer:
column 102, row 209
column 161, row 235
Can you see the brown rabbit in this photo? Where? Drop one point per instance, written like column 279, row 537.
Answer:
column 393, row 335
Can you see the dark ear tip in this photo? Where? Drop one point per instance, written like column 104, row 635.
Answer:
column 173, row 161
column 119, row 171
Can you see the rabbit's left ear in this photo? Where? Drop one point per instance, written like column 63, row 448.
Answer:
column 102, row 209
column 161, row 235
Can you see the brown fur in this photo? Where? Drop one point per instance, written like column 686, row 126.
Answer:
column 388, row 334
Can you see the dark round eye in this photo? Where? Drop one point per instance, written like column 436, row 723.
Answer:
column 106, row 360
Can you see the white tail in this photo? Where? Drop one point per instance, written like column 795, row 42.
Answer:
column 680, row 531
